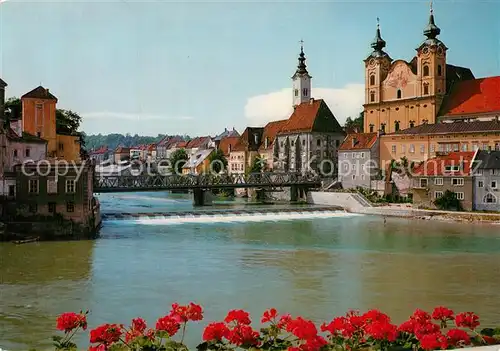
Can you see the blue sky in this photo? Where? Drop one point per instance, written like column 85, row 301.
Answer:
column 197, row 67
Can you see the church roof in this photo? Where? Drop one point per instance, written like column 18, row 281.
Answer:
column 358, row 141
column 313, row 115
column 39, row 93
column 473, row 97
column 270, row 131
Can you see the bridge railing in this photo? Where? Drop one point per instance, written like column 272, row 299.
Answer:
column 269, row 179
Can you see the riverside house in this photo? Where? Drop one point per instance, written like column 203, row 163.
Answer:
column 451, row 172
column 487, row 181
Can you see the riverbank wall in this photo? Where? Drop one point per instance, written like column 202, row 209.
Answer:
column 357, row 203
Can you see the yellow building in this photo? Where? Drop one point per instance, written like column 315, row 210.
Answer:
column 400, row 94
column 39, row 118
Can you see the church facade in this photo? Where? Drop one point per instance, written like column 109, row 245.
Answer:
column 401, row 94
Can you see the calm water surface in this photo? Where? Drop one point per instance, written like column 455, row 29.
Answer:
column 317, row 268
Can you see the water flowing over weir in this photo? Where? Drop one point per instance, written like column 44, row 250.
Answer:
column 227, row 216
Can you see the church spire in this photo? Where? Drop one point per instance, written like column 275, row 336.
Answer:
column 301, row 67
column 378, row 43
column 431, row 31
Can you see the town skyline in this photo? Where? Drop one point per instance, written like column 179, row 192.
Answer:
column 162, row 105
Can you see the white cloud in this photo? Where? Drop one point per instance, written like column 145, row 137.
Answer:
column 344, row 102
column 131, row 116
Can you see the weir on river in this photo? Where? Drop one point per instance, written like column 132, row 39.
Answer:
column 314, row 262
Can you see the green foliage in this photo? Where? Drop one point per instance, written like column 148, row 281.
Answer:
column 177, row 160
column 259, row 164
column 356, row 123
column 448, row 202
column 218, row 161
column 13, row 109
column 67, row 121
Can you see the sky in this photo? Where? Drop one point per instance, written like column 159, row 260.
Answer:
column 196, row 67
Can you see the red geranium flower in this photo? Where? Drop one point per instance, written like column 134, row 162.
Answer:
column 467, row 320
column 168, row 324
column 335, row 327
column 408, row 326
column 442, row 314
column 69, row 321
column 238, row 316
column 458, row 337
column 139, row 324
column 420, row 316
column 283, row 322
column 269, row 316
column 183, row 314
column 313, row 344
column 382, row 331
column 106, row 334
column 243, row 335
column 433, row 341
column 98, row 348
column 426, row 328
column 375, row 316
column 302, row 328
column 215, row 331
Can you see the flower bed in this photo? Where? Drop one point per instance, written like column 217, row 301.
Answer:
column 441, row 329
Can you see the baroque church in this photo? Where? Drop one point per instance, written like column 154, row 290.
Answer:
column 309, row 139
column 401, row 94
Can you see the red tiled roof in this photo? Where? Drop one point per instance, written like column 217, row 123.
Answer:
column 472, row 97
column 270, row 131
column 359, row 141
column 122, row 150
column 227, row 142
column 26, row 137
column 39, row 93
column 437, row 166
column 196, row 142
column 303, row 117
column 99, row 151
column 182, row 144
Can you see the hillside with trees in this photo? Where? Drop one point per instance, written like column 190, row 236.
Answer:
column 112, row 141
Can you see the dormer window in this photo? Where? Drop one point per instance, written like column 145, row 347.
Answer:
column 398, row 94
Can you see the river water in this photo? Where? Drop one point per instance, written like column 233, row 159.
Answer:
column 315, row 267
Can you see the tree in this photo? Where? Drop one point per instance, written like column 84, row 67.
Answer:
column 178, row 160
column 67, row 121
column 259, row 164
column 351, row 125
column 448, row 201
column 13, row 109
column 218, row 161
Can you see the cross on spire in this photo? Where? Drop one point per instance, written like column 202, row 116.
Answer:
column 301, row 45
column 432, row 10
column 378, row 22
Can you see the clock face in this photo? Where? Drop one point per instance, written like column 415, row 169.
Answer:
column 372, row 62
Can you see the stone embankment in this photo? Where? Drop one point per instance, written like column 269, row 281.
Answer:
column 357, row 203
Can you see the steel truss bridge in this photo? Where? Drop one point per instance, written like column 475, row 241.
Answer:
column 268, row 180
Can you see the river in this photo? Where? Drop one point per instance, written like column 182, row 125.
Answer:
column 315, row 267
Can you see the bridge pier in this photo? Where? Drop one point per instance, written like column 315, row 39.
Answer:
column 298, row 193
column 202, row 197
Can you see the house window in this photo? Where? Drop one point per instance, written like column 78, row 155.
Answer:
column 70, row 186
column 362, row 155
column 480, row 184
column 426, row 89
column 440, row 70
column 412, row 124
column 318, row 142
column 457, row 181
column 33, row 186
column 393, row 149
column 433, row 148
column 70, row 206
column 438, row 181
column 490, row 199
column 51, row 186
column 15, row 153
column 371, row 128
column 423, row 182
column 296, row 92
column 61, row 146
column 479, row 172
column 464, row 147
column 494, row 184
column 293, row 143
column 396, row 126
column 460, row 196
column 353, row 177
column 27, row 152
column 426, row 71
column 422, row 149
column 382, row 127
column 438, row 194
column 33, row 208
column 412, row 148
column 399, row 94
column 12, row 190
column 303, row 142
column 52, row 207
column 372, row 97
column 305, row 91
column 372, row 79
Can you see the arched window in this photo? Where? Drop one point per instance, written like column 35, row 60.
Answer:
column 382, row 127
column 396, row 126
column 296, row 92
column 372, row 79
column 399, row 93
column 372, row 96
column 490, row 199
column 440, row 70
column 305, row 91
column 371, row 128
column 426, row 71
column 412, row 124
column 426, row 88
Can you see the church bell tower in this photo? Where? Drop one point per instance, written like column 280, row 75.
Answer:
column 301, row 80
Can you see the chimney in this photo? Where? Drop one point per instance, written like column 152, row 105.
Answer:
column 229, row 149
column 354, row 141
